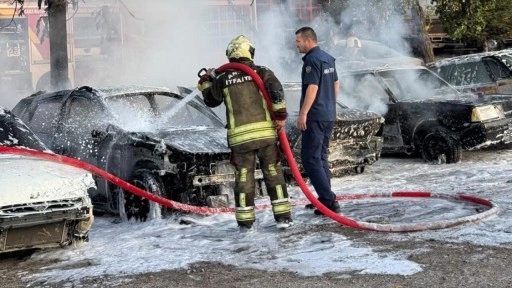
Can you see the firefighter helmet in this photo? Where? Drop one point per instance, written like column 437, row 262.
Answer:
column 240, row 47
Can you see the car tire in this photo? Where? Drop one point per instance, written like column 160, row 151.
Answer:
column 135, row 208
column 436, row 144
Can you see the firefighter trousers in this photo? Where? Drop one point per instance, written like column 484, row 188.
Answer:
column 245, row 184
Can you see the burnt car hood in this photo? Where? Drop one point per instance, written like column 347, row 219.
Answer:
column 351, row 124
column 461, row 99
column 32, row 181
column 356, row 124
column 201, row 140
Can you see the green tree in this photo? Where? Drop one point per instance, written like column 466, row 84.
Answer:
column 498, row 21
column 463, row 18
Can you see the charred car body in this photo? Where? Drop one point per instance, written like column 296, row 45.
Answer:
column 43, row 204
column 424, row 114
column 485, row 73
column 135, row 134
column 356, row 140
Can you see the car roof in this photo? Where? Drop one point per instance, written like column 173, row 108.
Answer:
column 103, row 92
column 381, row 69
column 469, row 58
column 132, row 89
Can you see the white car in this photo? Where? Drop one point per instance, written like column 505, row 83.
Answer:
column 42, row 203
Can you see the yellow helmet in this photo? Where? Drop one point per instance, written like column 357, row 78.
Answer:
column 240, row 47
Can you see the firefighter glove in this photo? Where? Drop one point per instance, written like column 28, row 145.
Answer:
column 205, row 81
column 280, row 114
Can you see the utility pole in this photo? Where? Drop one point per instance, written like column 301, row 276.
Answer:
column 58, row 44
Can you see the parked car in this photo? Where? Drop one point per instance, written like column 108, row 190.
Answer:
column 43, row 204
column 135, row 134
column 356, row 140
column 354, row 54
column 485, row 73
column 424, row 114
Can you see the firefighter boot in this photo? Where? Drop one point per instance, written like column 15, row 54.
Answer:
column 245, row 217
column 282, row 213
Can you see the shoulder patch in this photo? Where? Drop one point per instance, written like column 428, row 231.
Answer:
column 308, row 69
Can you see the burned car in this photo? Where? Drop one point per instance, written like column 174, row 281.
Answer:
column 146, row 136
column 485, row 73
column 356, row 140
column 424, row 115
column 43, row 204
column 354, row 53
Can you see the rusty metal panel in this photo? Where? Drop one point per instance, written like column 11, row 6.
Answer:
column 45, row 235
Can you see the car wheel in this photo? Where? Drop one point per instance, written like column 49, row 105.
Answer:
column 133, row 207
column 439, row 147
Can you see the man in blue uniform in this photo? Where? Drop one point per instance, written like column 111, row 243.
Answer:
column 317, row 115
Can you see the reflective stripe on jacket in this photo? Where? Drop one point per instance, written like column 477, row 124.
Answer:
column 248, row 118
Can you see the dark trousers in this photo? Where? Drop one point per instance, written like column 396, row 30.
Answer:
column 314, row 153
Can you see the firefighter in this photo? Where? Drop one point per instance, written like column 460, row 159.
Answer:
column 251, row 131
column 353, row 45
column 353, row 59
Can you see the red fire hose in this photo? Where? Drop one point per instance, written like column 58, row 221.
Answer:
column 295, row 171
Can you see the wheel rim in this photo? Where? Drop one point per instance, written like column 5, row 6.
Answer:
column 135, row 207
column 434, row 147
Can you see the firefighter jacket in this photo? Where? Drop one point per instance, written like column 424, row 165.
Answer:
column 249, row 122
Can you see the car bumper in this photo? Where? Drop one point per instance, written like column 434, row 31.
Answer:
column 346, row 155
column 354, row 154
column 482, row 134
column 222, row 172
column 43, row 229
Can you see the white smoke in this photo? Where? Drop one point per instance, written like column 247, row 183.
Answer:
column 165, row 43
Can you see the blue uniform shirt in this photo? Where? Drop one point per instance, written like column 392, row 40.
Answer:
column 319, row 69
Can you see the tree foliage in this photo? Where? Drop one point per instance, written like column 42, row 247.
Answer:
column 369, row 12
column 498, row 21
column 475, row 19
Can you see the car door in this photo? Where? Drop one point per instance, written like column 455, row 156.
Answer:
column 500, row 74
column 82, row 116
column 473, row 77
column 43, row 120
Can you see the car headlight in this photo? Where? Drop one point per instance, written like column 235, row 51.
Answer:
column 488, row 112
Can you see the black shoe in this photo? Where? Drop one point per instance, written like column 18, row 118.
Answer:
column 310, row 206
column 335, row 207
column 245, row 227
